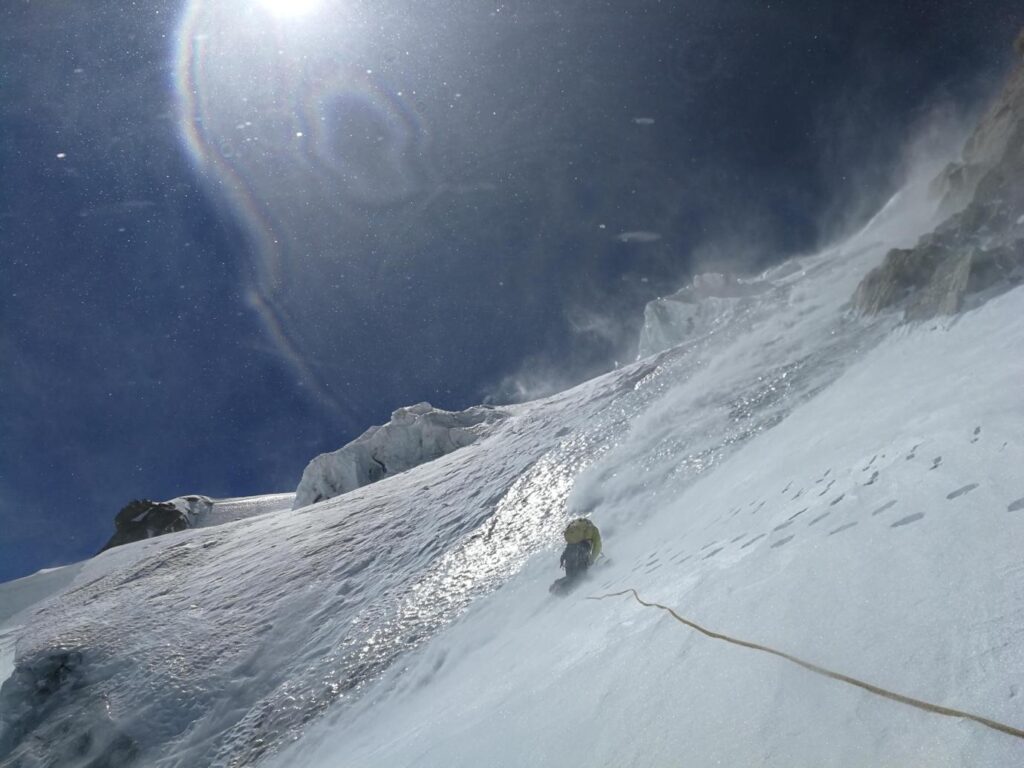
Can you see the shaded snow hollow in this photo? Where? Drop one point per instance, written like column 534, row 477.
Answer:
column 414, row 435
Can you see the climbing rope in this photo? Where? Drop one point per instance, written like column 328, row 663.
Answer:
column 923, row 705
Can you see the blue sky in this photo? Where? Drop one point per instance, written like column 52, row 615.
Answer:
column 230, row 240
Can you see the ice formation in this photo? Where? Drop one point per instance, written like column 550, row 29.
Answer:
column 415, row 434
column 711, row 301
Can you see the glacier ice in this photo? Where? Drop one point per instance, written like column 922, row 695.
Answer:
column 712, row 300
column 415, row 434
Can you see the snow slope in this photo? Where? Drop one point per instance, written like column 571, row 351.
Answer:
column 875, row 531
column 209, row 512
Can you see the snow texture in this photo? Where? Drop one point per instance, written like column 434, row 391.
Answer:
column 845, row 535
column 17, row 598
column 414, row 435
column 205, row 512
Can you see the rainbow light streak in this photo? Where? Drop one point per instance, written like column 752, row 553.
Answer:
column 291, row 129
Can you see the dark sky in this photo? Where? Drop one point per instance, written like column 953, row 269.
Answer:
column 231, row 239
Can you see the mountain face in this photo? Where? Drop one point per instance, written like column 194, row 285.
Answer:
column 794, row 465
column 978, row 251
column 143, row 519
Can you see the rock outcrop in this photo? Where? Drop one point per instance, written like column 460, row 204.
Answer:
column 142, row 518
column 414, row 435
column 978, row 250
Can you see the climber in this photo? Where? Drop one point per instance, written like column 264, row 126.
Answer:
column 582, row 547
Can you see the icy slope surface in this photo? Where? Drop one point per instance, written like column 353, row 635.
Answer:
column 208, row 512
column 17, row 600
column 217, row 646
column 876, row 531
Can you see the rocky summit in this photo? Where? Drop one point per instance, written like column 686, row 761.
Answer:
column 977, row 252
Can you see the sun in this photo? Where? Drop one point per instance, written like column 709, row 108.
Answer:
column 285, row 8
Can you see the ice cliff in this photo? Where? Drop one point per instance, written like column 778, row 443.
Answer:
column 710, row 302
column 414, row 435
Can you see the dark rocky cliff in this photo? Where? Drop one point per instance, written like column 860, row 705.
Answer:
column 978, row 250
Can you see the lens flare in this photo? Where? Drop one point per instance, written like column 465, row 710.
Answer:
column 289, row 8
column 312, row 149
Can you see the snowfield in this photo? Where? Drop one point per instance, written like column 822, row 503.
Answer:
column 875, row 531
column 843, row 488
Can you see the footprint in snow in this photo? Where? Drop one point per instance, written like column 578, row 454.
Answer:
column 977, row 431
column 936, row 463
column 713, row 552
column 780, row 542
column 961, row 491
column 884, row 507
column 908, row 520
column 841, row 528
column 830, row 484
column 1016, row 506
column 756, row 538
column 837, row 499
column 818, row 518
column 874, row 477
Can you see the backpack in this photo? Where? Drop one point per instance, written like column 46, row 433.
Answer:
column 579, row 530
